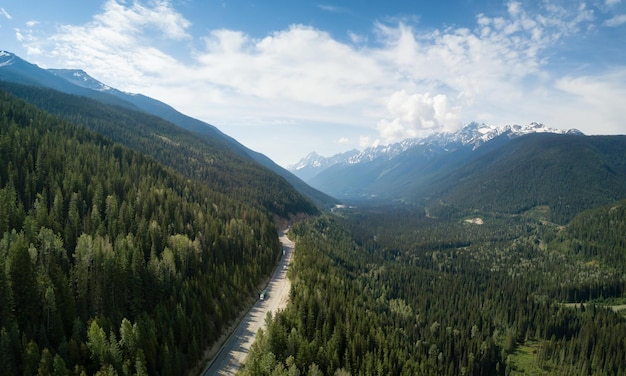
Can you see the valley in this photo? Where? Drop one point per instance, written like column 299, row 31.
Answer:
column 133, row 237
column 390, row 291
column 116, row 261
column 232, row 353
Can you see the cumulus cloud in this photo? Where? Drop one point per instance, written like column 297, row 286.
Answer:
column 366, row 141
column 423, row 80
column 301, row 63
column 138, row 18
column 413, row 114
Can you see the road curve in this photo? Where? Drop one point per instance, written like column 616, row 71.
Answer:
column 234, row 351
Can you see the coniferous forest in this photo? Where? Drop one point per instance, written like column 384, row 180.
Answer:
column 395, row 292
column 110, row 262
column 196, row 156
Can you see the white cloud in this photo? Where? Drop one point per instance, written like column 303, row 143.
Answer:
column 119, row 45
column 612, row 2
column 416, row 113
column 597, row 102
column 356, row 38
column 138, row 18
column 402, row 83
column 300, row 64
column 616, row 20
column 332, row 8
column 5, row 14
column 29, row 40
column 366, row 141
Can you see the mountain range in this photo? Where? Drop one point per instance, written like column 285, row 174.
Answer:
column 505, row 169
column 511, row 169
column 473, row 135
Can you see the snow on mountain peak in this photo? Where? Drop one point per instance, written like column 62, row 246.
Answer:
column 312, row 159
column 316, row 161
column 6, row 58
column 473, row 134
column 81, row 78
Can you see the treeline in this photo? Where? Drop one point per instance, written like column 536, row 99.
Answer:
column 395, row 294
column 111, row 263
column 198, row 157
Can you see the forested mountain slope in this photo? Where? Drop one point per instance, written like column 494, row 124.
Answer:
column 565, row 173
column 110, row 261
column 77, row 82
column 202, row 129
column 203, row 158
column 596, row 235
column 17, row 70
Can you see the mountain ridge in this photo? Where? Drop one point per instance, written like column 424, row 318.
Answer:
column 486, row 169
column 563, row 173
column 473, row 134
column 78, row 82
column 167, row 112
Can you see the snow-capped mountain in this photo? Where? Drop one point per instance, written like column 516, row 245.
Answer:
column 477, row 134
column 313, row 163
column 473, row 134
column 81, row 78
column 316, row 160
column 6, row 58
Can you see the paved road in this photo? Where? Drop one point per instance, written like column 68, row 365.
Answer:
column 234, row 351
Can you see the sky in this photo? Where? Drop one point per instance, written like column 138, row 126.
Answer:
column 288, row 77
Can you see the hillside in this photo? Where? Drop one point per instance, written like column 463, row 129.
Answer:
column 596, row 235
column 109, row 261
column 394, row 171
column 202, row 158
column 565, row 173
column 560, row 173
column 14, row 69
column 208, row 132
column 77, row 82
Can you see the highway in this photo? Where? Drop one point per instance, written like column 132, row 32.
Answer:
column 234, row 351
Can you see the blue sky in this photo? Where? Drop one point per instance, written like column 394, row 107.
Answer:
column 290, row 77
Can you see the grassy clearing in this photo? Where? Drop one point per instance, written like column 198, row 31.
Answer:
column 524, row 361
column 540, row 213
